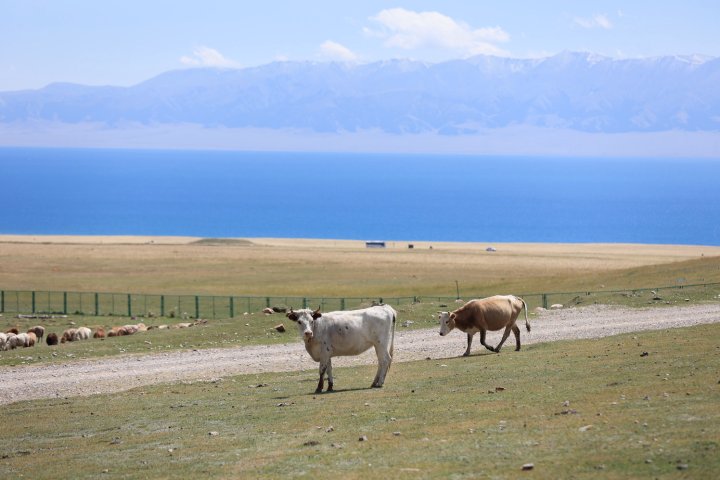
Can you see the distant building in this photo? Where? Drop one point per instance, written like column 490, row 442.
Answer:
column 374, row 244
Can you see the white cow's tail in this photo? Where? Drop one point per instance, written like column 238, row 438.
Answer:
column 392, row 338
column 527, row 323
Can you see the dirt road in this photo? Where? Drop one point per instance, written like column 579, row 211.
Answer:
column 122, row 373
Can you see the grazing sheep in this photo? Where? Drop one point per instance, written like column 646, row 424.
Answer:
column 99, row 333
column 39, row 332
column 3, row 341
column 130, row 329
column 13, row 330
column 182, row 325
column 82, row 333
column 30, row 339
column 68, row 335
column 118, row 332
column 17, row 341
column 52, row 339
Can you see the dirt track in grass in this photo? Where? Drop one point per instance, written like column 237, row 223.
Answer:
column 78, row 378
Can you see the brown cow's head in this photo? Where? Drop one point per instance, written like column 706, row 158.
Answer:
column 447, row 322
column 305, row 318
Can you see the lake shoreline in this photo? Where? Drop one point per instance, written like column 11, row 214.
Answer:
column 503, row 247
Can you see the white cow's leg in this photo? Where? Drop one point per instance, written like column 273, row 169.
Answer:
column 505, row 336
column 323, row 368
column 384, row 360
column 330, row 376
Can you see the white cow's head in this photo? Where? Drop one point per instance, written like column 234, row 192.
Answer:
column 305, row 318
column 447, row 322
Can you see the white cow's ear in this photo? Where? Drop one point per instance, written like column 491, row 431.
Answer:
column 316, row 314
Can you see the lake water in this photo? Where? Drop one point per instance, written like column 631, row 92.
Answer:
column 359, row 196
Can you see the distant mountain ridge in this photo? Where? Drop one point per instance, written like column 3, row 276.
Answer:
column 572, row 91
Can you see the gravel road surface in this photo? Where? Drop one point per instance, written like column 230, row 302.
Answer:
column 88, row 377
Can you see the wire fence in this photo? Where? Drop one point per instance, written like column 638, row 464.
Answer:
column 218, row 307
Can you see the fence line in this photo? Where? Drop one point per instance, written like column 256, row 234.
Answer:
column 216, row 306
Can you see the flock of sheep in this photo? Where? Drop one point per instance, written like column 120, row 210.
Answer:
column 13, row 339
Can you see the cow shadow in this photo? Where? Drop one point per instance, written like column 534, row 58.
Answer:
column 472, row 355
column 344, row 390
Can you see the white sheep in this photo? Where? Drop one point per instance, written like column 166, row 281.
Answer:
column 82, row 333
column 17, row 341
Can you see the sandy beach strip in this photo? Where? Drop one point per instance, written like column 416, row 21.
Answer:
column 656, row 252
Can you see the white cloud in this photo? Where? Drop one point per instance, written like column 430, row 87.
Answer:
column 411, row 30
column 335, row 51
column 596, row 21
column 208, row 57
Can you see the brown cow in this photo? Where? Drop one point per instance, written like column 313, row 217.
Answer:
column 492, row 313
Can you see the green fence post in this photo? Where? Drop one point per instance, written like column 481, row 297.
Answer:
column 97, row 304
column 232, row 307
column 162, row 305
column 544, row 300
column 304, row 302
column 64, row 303
column 2, row 301
column 267, row 302
column 33, row 301
column 129, row 305
column 197, row 307
column 342, row 303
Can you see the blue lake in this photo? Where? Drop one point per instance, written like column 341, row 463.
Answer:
column 359, row 196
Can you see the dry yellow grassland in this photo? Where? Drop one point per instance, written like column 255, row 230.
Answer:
column 262, row 266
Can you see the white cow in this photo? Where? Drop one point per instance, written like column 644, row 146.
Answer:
column 344, row 333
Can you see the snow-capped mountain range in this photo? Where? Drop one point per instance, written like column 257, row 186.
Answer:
column 579, row 92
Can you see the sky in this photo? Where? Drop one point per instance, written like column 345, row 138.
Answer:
column 125, row 42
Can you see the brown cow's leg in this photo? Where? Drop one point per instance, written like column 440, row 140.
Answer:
column 505, row 336
column 516, row 331
column 467, row 351
column 482, row 341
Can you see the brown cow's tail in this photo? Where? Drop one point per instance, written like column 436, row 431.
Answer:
column 527, row 323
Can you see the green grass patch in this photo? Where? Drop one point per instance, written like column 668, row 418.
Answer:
column 574, row 409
